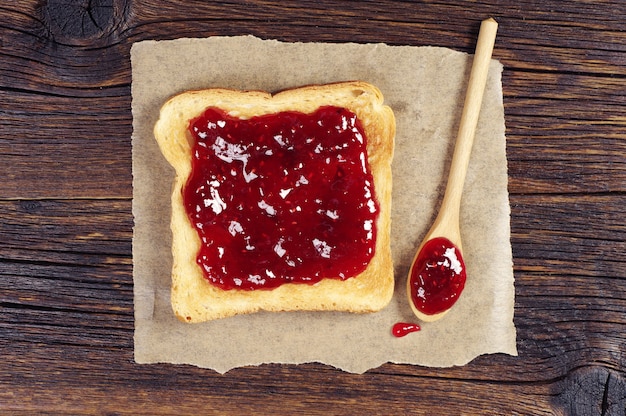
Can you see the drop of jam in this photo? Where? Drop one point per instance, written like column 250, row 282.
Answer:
column 437, row 277
column 404, row 328
column 286, row 197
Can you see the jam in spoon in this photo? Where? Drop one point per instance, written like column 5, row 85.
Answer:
column 437, row 275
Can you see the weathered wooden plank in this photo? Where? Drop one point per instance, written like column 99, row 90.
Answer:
column 48, row 157
column 575, row 37
column 64, row 146
column 100, row 227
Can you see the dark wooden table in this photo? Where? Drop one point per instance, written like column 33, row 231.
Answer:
column 66, row 290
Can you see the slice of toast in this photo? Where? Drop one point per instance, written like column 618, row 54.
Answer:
column 194, row 298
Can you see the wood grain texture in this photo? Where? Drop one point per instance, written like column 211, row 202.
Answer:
column 66, row 293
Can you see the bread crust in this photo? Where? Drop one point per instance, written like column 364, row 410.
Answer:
column 194, row 299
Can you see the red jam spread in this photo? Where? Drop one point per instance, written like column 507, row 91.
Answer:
column 437, row 277
column 402, row 329
column 279, row 198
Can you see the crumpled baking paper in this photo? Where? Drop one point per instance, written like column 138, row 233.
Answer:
column 425, row 86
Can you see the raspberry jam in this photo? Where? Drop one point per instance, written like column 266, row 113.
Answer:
column 402, row 329
column 286, row 197
column 437, row 277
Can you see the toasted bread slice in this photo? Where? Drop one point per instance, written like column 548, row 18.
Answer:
column 194, row 298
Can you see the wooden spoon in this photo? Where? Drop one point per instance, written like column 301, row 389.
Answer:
column 446, row 224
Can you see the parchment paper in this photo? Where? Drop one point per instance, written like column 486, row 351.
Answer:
column 425, row 86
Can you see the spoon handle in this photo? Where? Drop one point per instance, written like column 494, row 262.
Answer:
column 469, row 119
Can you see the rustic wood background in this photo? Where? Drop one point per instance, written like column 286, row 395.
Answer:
column 66, row 290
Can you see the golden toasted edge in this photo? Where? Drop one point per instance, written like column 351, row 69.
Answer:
column 196, row 300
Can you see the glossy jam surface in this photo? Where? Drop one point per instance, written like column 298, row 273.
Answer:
column 437, row 277
column 402, row 329
column 286, row 197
